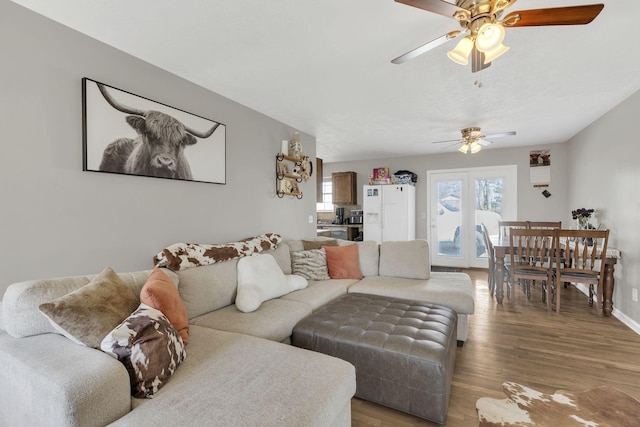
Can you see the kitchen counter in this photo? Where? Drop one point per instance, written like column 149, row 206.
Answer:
column 339, row 231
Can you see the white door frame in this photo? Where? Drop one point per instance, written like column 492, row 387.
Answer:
column 509, row 173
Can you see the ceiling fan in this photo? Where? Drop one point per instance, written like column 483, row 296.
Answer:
column 484, row 22
column 473, row 140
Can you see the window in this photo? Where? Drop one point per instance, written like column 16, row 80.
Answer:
column 327, row 196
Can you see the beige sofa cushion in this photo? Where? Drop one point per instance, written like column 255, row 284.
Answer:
column 452, row 290
column 230, row 379
column 405, row 259
column 282, row 256
column 48, row 380
column 274, row 320
column 369, row 256
column 319, row 293
column 207, row 288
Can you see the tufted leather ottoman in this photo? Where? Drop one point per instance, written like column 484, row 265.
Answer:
column 404, row 351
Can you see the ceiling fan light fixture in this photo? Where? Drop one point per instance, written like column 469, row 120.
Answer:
column 490, row 37
column 475, row 147
column 495, row 53
column 464, row 148
column 460, row 54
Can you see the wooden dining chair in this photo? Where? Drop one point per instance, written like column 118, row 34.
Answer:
column 531, row 253
column 544, row 224
column 491, row 256
column 583, row 250
column 504, row 226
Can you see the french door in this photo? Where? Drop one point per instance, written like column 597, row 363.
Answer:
column 459, row 201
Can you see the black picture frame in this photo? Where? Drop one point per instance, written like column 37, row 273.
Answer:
column 124, row 133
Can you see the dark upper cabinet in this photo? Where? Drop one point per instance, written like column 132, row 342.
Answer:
column 318, row 180
column 345, row 188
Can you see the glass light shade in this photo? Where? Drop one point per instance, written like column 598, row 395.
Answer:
column 490, row 36
column 460, row 53
column 475, row 147
column 464, row 148
column 495, row 53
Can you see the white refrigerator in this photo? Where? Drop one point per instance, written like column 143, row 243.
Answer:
column 389, row 212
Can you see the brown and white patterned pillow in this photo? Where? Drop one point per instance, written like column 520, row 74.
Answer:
column 184, row 255
column 149, row 347
column 311, row 264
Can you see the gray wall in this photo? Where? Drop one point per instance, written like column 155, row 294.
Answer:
column 57, row 220
column 531, row 203
column 605, row 175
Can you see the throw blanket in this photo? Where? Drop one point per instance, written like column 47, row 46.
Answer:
column 184, row 255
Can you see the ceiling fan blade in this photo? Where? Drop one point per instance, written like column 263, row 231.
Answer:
column 484, row 142
column 440, row 7
column 426, row 47
column 571, row 15
column 449, row 140
column 500, row 135
column 477, row 61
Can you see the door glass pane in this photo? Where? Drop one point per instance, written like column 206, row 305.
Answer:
column 449, row 218
column 488, row 193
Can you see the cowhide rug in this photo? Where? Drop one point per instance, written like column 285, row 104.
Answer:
column 597, row 407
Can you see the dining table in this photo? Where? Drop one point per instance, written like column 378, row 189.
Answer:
column 501, row 248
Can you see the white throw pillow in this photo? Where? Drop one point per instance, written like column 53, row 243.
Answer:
column 261, row 279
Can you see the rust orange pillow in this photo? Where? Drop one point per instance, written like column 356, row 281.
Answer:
column 343, row 262
column 160, row 293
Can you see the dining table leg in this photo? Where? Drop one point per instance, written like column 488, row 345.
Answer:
column 607, row 291
column 499, row 276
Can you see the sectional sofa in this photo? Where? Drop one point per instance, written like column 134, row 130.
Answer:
column 239, row 368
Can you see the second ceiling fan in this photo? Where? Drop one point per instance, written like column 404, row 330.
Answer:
column 484, row 22
column 473, row 140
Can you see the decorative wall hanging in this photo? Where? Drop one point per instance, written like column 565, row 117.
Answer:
column 540, row 168
column 128, row 134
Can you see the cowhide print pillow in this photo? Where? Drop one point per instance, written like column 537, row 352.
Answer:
column 311, row 264
column 149, row 347
column 184, row 255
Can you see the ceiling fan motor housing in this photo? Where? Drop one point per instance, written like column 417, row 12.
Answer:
column 471, row 134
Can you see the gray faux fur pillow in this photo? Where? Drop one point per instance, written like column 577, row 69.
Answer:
column 311, row 264
column 88, row 314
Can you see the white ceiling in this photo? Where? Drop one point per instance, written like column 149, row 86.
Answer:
column 323, row 67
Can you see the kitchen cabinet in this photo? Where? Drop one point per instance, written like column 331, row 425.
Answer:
column 319, row 178
column 345, row 188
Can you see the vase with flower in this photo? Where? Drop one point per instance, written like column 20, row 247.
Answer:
column 583, row 216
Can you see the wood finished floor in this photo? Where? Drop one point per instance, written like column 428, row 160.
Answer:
column 573, row 350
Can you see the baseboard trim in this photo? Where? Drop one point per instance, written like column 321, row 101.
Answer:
column 632, row 324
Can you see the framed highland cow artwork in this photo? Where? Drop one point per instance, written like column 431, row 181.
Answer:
column 128, row 134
